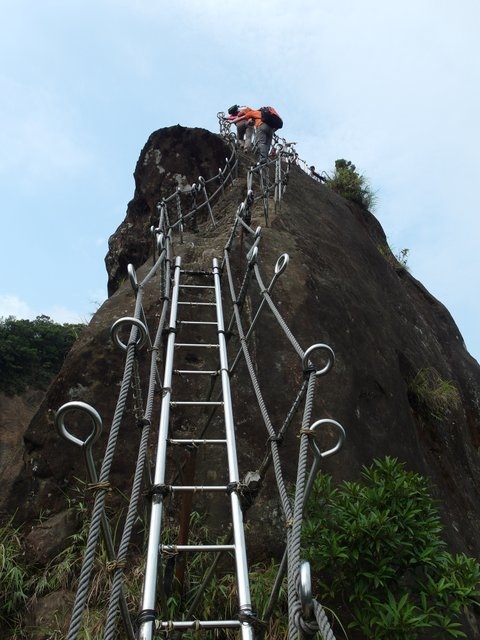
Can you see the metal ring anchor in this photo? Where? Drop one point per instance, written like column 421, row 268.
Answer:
column 306, row 598
column 318, row 455
column 319, row 347
column 252, row 259
column 114, row 331
column 280, row 267
column 281, row 263
column 160, row 242
column 86, row 446
column 77, row 405
column 334, row 449
column 132, row 276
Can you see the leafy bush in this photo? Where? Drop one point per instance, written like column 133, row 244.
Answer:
column 350, row 184
column 376, row 545
column 32, row 351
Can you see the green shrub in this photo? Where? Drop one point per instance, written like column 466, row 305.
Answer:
column 13, row 577
column 350, row 184
column 376, row 546
column 433, row 395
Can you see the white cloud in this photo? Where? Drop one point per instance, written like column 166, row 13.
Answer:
column 11, row 305
column 62, row 315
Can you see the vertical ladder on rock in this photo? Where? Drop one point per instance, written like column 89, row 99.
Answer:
column 197, row 302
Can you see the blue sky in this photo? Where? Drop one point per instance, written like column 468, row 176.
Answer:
column 393, row 87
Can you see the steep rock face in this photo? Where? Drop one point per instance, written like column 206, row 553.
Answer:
column 173, row 158
column 342, row 287
column 15, row 415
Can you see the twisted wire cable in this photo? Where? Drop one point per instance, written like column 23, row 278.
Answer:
column 117, row 581
column 294, row 535
column 263, row 410
column 277, row 314
column 143, row 419
column 99, row 504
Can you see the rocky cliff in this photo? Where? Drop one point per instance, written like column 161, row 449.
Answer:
column 342, row 287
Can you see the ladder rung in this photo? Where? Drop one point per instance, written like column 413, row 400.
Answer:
column 197, row 322
column 199, row 304
column 197, row 286
column 200, row 624
column 198, row 488
column 206, row 403
column 173, row 548
column 196, row 344
column 191, row 272
column 186, row 441
column 202, row 372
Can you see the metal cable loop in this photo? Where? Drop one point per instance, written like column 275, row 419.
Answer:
column 137, row 326
column 307, row 364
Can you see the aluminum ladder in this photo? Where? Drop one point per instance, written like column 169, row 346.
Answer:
column 149, row 621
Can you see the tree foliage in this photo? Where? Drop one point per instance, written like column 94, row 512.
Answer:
column 32, row 351
column 347, row 182
column 376, row 545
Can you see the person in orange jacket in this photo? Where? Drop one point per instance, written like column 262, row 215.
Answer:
column 245, row 129
column 263, row 131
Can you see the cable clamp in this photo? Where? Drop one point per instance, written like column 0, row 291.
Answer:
column 247, row 616
column 306, row 432
column 276, row 438
column 113, row 565
column 143, row 422
column 99, row 486
column 147, row 615
column 159, row 490
column 309, row 370
column 231, row 487
column 168, row 330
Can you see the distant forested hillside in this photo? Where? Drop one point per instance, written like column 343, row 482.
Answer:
column 32, row 352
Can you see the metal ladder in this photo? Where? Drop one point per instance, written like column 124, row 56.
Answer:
column 149, row 622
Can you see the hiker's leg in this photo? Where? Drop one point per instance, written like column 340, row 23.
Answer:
column 248, row 137
column 264, row 135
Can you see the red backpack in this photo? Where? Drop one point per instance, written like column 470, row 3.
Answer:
column 271, row 117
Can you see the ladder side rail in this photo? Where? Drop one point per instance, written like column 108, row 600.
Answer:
column 151, row 567
column 245, row 604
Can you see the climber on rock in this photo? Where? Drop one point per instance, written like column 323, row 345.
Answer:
column 263, row 132
column 245, row 128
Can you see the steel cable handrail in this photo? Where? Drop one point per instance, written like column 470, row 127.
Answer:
column 139, row 334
